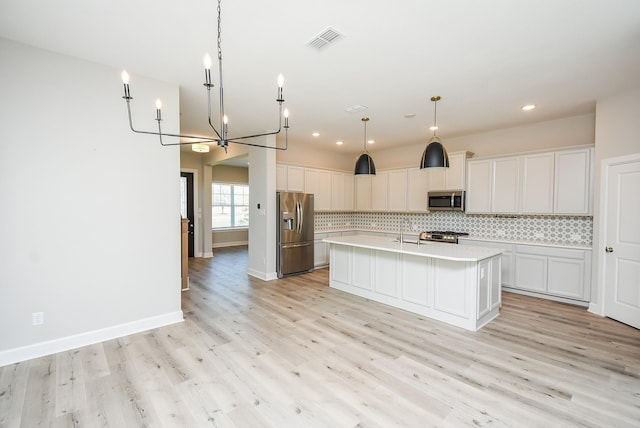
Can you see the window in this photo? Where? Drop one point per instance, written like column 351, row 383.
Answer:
column 229, row 205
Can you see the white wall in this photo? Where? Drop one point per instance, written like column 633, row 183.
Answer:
column 90, row 230
column 570, row 131
column 617, row 134
column 262, row 221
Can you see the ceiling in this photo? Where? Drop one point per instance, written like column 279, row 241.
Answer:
column 485, row 59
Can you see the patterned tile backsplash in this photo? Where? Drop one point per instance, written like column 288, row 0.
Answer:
column 546, row 229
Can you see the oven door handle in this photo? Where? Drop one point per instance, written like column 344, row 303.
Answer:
column 452, row 199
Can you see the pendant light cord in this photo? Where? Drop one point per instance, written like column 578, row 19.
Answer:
column 435, row 116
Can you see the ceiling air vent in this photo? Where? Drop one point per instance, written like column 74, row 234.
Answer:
column 326, row 37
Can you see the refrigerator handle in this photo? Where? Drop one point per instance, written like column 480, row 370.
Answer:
column 299, row 209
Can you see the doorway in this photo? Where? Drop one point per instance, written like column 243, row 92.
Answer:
column 620, row 213
column 187, row 207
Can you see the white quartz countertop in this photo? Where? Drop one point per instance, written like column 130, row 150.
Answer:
column 437, row 250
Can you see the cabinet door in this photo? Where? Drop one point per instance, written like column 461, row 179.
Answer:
column 318, row 182
column 320, row 253
column 479, row 186
column 505, row 185
column 398, row 190
column 454, row 176
column 531, row 272
column 363, row 192
column 537, row 184
column 573, row 182
column 295, row 179
column 437, row 179
column 417, row 189
column 451, row 178
column 337, row 191
column 281, row 178
column 348, row 192
column 380, row 192
column 506, row 266
column 566, row 277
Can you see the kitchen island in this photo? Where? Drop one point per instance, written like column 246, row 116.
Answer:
column 455, row 284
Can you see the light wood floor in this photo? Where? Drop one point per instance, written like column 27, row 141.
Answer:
column 295, row 353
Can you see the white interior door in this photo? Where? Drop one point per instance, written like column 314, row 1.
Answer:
column 622, row 258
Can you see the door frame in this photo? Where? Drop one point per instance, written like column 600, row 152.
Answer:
column 197, row 239
column 598, row 250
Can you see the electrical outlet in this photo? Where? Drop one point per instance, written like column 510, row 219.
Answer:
column 348, row 224
column 500, row 232
column 329, row 225
column 37, row 318
column 414, row 226
column 576, row 237
column 373, row 225
column 539, row 235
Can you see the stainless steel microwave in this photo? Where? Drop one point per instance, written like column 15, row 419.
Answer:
column 446, row 200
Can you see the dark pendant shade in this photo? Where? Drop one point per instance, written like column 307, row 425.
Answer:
column 434, row 156
column 365, row 165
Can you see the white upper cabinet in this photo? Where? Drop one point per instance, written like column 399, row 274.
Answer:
column 452, row 178
column 380, row 192
column 281, row 178
column 341, row 191
column 397, row 200
column 572, row 191
column 537, row 183
column 479, row 175
column 295, row 178
column 557, row 182
column 417, row 189
column 362, row 192
column 337, row 191
column 505, row 185
column 289, row 178
column 348, row 192
column 318, row 182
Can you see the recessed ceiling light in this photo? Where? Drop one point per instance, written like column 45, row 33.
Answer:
column 356, row 108
column 370, row 141
column 316, row 134
column 339, row 143
column 410, row 115
column 528, row 107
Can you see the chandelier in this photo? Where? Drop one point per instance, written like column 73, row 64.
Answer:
column 221, row 136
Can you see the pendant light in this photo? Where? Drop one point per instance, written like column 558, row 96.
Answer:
column 364, row 164
column 434, row 155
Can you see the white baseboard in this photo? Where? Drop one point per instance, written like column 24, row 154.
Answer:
column 265, row 276
column 41, row 349
column 207, row 255
column 229, row 244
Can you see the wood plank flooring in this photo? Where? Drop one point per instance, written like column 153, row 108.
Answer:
column 295, row 353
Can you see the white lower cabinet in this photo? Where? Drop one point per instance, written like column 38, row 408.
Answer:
column 552, row 272
column 507, row 269
column 559, row 272
column 321, row 249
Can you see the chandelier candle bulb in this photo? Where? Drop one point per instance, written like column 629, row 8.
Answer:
column 207, row 70
column 286, row 118
column 280, row 85
column 125, row 80
column 158, row 109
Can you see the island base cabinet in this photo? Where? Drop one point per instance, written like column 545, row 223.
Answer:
column 465, row 294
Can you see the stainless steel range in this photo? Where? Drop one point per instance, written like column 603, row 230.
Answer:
column 446, row 236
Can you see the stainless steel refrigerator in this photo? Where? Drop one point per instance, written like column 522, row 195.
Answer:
column 295, row 233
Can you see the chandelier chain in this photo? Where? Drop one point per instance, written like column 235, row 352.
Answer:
column 219, row 31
